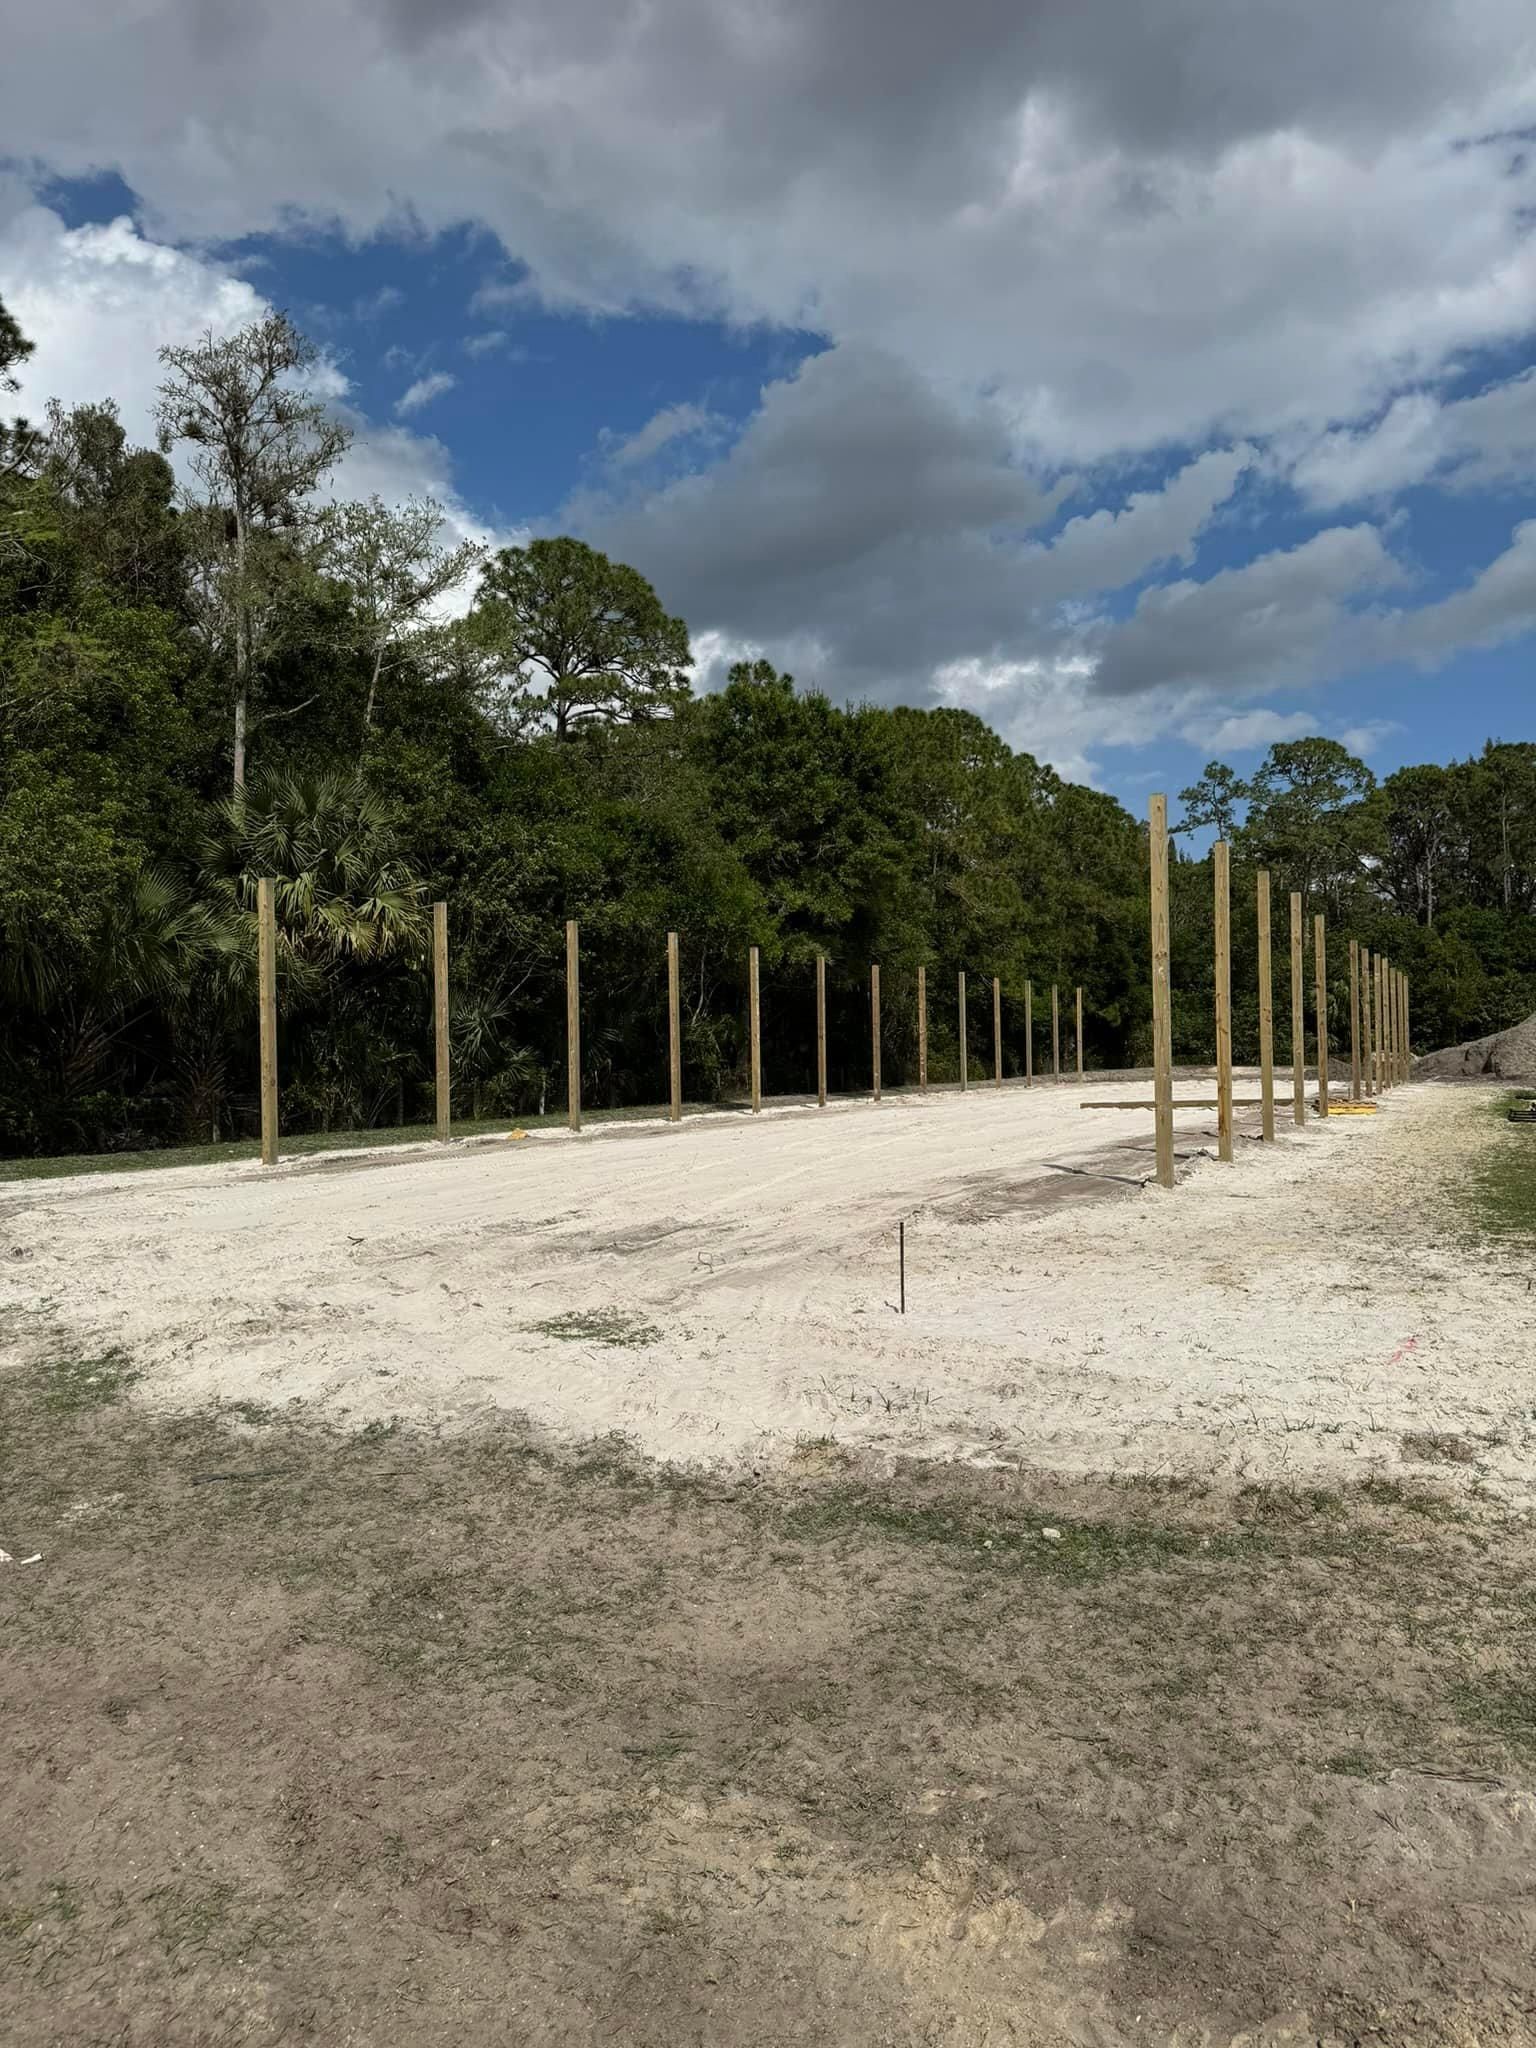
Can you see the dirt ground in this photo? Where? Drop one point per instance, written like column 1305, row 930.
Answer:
column 719, row 1291
column 471, row 1727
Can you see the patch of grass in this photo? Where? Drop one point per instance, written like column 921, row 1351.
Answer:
column 68, row 1386
column 59, row 1904
column 1505, row 1707
column 1500, row 1197
column 1350, row 1763
column 1435, row 1447
column 615, row 1327
column 1020, row 1539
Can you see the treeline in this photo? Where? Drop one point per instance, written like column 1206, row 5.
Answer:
column 200, row 689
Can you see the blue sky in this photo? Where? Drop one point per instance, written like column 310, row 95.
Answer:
column 1154, row 396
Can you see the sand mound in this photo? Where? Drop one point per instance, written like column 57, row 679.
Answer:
column 1502, row 1056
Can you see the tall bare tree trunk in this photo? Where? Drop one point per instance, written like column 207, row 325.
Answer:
column 242, row 647
column 373, row 691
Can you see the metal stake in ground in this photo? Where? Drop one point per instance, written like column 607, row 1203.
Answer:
column 1266, row 1011
column 266, row 976
column 1221, row 863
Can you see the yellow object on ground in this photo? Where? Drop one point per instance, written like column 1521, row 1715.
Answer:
column 1352, row 1109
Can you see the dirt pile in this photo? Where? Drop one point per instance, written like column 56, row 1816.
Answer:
column 1502, row 1056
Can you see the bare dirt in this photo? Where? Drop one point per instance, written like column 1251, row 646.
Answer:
column 719, row 1291
column 1501, row 1056
column 330, row 1728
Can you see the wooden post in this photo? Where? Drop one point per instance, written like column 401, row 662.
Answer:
column 1320, row 1003
column 1162, row 1005
column 1402, row 1036
column 754, row 1031
column 1298, row 1019
column 1080, row 1034
column 1378, row 966
column 965, row 1054
column 1354, row 1020
column 1029, row 1034
column 1055, row 1035
column 997, row 1032
column 266, row 987
column 874, row 1026
column 1389, row 1051
column 1266, row 1012
column 1367, row 1038
column 1221, row 862
column 1407, row 1030
column 821, row 1030
column 440, row 1018
column 572, row 1024
column 674, row 1032
column 922, row 1030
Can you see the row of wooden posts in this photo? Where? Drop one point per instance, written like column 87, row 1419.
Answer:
column 267, row 959
column 1379, row 1010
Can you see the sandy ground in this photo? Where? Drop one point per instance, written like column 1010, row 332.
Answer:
column 721, row 1290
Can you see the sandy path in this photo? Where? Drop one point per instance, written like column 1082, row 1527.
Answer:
column 1294, row 1315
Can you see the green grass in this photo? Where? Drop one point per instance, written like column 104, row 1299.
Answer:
column 1501, row 1194
column 1504, row 1707
column 610, row 1326
column 67, row 1386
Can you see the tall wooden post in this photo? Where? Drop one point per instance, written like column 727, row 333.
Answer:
column 821, row 1030
column 754, row 1031
column 1055, row 1035
column 965, row 1052
column 1367, row 1030
column 1221, row 863
column 266, row 989
column 1379, row 974
column 572, row 1024
column 1162, row 1000
column 674, row 1032
column 1266, row 1012
column 1320, row 1002
column 1080, row 1034
column 922, row 1030
column 1029, row 1034
column 1354, row 1020
column 1407, row 1030
column 997, row 1032
column 440, row 1018
column 1298, row 1019
column 1389, row 1055
column 874, row 1027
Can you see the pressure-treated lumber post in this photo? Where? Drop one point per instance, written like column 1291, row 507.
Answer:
column 1080, row 1034
column 1389, row 1043
column 997, row 1032
column 573, row 1024
column 922, row 1029
column 674, row 1033
column 821, row 1030
column 1407, row 1029
column 1162, row 1000
column 1354, row 1020
column 1029, row 1034
column 440, row 1018
column 1266, row 1012
column 1379, row 966
column 1367, row 1032
column 1402, row 1024
column 1320, row 1001
column 266, row 989
column 874, row 1027
column 1298, row 1019
column 1221, row 862
column 965, row 1055
column 1055, row 1035
column 754, row 1031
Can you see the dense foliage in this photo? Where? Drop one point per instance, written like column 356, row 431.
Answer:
column 200, row 690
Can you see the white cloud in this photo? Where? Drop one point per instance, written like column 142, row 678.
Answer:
column 435, row 385
column 673, row 424
column 1247, row 732
column 1472, row 443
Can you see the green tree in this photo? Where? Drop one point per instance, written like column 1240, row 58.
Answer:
column 1213, row 801
column 261, row 443
column 576, row 639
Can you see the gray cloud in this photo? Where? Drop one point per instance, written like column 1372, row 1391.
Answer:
column 1474, row 443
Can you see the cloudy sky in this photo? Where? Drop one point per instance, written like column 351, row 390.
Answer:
column 1158, row 380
